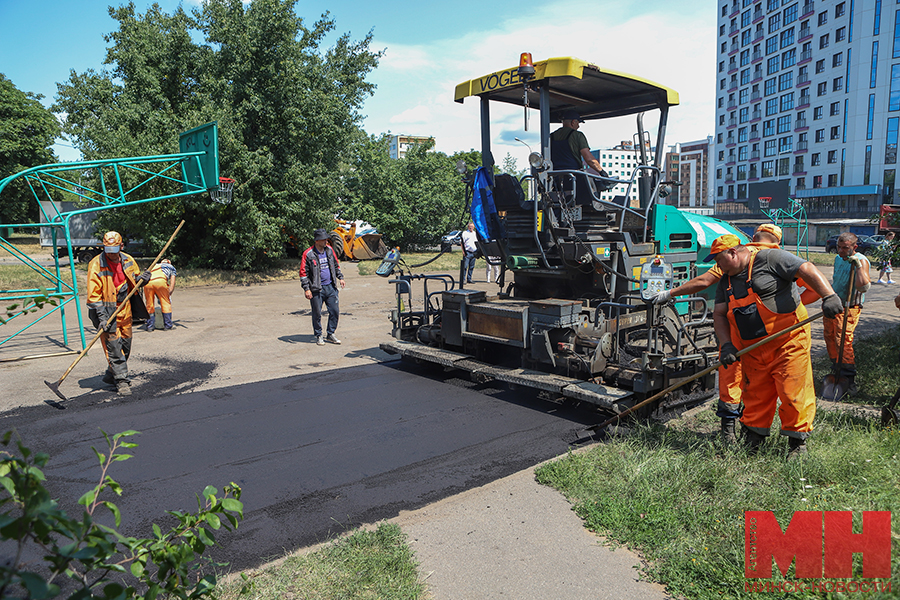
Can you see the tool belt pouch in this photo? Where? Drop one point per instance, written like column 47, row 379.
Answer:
column 750, row 325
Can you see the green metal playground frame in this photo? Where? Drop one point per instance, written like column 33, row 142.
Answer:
column 195, row 168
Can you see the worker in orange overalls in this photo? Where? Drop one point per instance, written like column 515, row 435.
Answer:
column 161, row 285
column 847, row 260
column 111, row 275
column 757, row 296
column 767, row 235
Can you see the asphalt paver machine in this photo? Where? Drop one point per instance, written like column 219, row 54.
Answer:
column 572, row 314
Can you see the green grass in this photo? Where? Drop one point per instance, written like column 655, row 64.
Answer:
column 365, row 565
column 876, row 363
column 675, row 495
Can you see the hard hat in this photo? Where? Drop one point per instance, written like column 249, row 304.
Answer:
column 112, row 238
column 770, row 228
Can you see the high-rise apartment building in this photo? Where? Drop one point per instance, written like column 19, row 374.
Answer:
column 690, row 163
column 807, row 105
column 620, row 162
column 399, row 144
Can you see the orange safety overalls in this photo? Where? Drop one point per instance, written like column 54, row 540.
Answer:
column 779, row 369
column 730, row 377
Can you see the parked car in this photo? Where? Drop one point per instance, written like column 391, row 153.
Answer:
column 454, row 238
column 865, row 243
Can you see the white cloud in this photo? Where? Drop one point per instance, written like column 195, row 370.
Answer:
column 672, row 46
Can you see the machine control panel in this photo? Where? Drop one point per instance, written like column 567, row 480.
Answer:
column 656, row 276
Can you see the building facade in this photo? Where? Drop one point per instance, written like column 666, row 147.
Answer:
column 619, row 161
column 807, row 106
column 401, row 143
column 691, row 163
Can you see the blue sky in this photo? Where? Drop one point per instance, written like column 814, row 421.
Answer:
column 430, row 47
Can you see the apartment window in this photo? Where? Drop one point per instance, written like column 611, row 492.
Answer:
column 767, row 168
column 823, row 41
column 868, row 166
column 724, row 47
column 837, row 60
column 785, row 144
column 722, row 84
column 790, row 14
column 870, row 120
column 742, row 155
column 837, row 84
column 721, row 119
column 772, row 5
column 874, row 70
column 836, row 132
column 771, row 86
column 744, row 114
column 743, row 96
column 840, row 34
column 890, row 152
column 784, row 166
column 721, row 152
column 798, row 164
column 801, row 183
column 822, row 88
column 719, row 174
column 772, row 65
column 742, row 135
column 823, row 18
column 817, row 113
column 815, row 159
column 772, row 44
column 820, row 135
column 774, row 22
column 784, row 124
column 835, row 109
column 725, row 11
column 832, row 157
column 787, row 38
column 876, row 29
column 769, row 148
column 894, row 97
column 745, row 37
column 721, row 102
column 787, row 101
column 789, row 58
column 817, row 181
column 820, row 66
column 785, row 81
column 721, row 30
column 839, row 10
column 832, row 181
column 897, row 34
column 746, row 17
column 771, row 107
column 769, row 127
column 745, row 76
column 745, row 58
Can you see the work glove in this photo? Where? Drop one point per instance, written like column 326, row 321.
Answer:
column 662, row 297
column 728, row 354
column 143, row 278
column 831, row 306
column 855, row 262
column 104, row 317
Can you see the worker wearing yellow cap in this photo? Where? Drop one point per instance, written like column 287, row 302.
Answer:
column 767, row 235
column 111, row 275
column 757, row 296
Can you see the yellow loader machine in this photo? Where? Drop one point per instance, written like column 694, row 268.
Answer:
column 572, row 314
column 356, row 240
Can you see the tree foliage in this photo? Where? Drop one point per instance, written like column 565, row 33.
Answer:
column 27, row 133
column 90, row 560
column 287, row 111
column 413, row 200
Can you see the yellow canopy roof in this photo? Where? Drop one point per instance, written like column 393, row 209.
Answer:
column 574, row 84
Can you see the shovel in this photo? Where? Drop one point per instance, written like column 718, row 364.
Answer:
column 704, row 372
column 834, row 386
column 889, row 414
column 55, row 385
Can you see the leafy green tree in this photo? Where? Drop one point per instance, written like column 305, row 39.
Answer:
column 27, row 133
column 413, row 200
column 287, row 110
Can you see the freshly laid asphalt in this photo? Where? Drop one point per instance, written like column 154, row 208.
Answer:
column 323, row 439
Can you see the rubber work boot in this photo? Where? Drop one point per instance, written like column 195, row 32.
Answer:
column 167, row 321
column 109, row 378
column 796, row 448
column 330, row 338
column 852, row 390
column 123, row 388
column 151, row 323
column 728, row 435
column 752, row 440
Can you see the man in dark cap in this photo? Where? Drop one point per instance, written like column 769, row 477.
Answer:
column 569, row 147
column 320, row 273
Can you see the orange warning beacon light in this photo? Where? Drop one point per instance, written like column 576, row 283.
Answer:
column 526, row 66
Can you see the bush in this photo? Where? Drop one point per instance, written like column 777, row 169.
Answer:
column 98, row 561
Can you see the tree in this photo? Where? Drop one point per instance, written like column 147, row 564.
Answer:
column 27, row 133
column 413, row 200
column 288, row 113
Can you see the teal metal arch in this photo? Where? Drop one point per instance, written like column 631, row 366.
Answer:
column 194, row 170
column 792, row 217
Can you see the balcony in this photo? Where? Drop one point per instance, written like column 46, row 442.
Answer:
column 805, row 32
column 733, row 85
column 755, row 96
column 804, row 101
column 756, row 56
column 733, row 30
column 758, row 14
column 808, row 9
column 805, row 56
column 799, row 124
column 758, row 35
column 754, row 155
column 754, row 135
column 802, row 80
column 732, row 122
column 757, row 114
column 802, row 146
column 742, row 175
column 732, row 105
